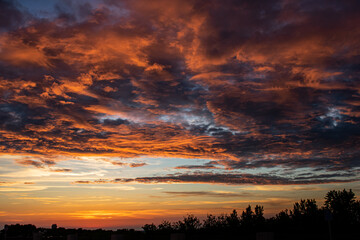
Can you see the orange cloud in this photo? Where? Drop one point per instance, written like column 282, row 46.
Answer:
column 16, row 52
column 184, row 79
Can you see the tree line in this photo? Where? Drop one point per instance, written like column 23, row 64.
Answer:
column 338, row 217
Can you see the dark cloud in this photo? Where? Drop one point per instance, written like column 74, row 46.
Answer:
column 234, row 179
column 134, row 165
column 115, row 122
column 41, row 163
column 60, row 170
column 11, row 17
column 28, row 162
column 82, row 182
column 249, row 85
column 208, row 165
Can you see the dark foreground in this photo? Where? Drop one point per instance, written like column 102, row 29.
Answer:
column 80, row 234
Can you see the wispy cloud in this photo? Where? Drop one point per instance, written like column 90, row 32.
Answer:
column 222, row 194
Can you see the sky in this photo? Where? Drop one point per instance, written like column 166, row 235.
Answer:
column 118, row 113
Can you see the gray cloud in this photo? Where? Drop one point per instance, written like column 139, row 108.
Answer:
column 234, row 179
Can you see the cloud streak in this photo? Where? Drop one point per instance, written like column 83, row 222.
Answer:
column 221, row 194
column 233, row 179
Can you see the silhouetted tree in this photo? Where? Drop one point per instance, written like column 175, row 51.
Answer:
column 149, row 228
column 190, row 223
column 305, row 209
column 343, row 206
column 165, row 226
column 247, row 215
column 259, row 214
column 233, row 221
column 282, row 218
column 20, row 230
column 357, row 211
column 307, row 217
column 211, row 223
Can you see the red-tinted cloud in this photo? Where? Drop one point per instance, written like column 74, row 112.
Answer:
column 249, row 85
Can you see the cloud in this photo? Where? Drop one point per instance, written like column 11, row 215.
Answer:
column 237, row 179
column 29, row 183
column 206, row 194
column 260, row 85
column 209, row 165
column 10, row 15
column 120, row 163
column 43, row 163
column 134, row 165
column 100, row 181
column 233, row 179
column 60, row 170
column 5, row 183
column 82, row 182
column 28, row 162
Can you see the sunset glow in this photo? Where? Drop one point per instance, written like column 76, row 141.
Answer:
column 115, row 114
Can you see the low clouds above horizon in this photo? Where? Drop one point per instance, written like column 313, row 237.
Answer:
column 248, row 85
